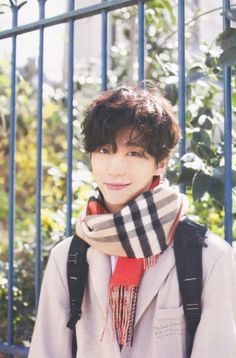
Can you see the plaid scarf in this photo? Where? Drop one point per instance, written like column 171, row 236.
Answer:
column 137, row 235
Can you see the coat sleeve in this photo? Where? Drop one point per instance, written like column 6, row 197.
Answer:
column 51, row 338
column 216, row 333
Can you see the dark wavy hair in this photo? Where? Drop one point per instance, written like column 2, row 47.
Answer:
column 143, row 110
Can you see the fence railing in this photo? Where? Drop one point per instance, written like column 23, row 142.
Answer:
column 69, row 17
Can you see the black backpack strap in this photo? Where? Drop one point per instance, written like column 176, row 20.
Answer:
column 188, row 242
column 77, row 274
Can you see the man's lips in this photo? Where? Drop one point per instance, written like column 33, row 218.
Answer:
column 116, row 186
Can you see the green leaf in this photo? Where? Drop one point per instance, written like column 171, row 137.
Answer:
column 190, row 157
column 234, row 99
column 215, row 162
column 205, row 152
column 211, row 61
column 228, row 57
column 171, row 93
column 219, row 174
column 230, row 14
column 205, row 122
column 216, row 190
column 227, row 38
column 200, row 185
column 195, row 74
column 186, row 175
column 201, row 136
column 194, row 122
column 4, row 81
column 204, row 183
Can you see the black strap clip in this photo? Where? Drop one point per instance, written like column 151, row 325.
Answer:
column 74, row 318
column 74, row 258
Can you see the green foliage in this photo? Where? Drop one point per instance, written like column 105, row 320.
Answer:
column 53, row 213
column 226, row 40
column 201, row 169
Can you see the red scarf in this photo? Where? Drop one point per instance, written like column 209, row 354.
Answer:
column 124, row 284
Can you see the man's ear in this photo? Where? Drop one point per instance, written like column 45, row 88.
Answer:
column 161, row 167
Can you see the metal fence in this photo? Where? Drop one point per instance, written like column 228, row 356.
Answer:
column 69, row 17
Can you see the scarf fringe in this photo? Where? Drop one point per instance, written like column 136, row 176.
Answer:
column 123, row 301
column 149, row 261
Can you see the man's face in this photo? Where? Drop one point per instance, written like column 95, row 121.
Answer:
column 124, row 174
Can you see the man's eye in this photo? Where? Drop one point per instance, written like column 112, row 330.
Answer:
column 134, row 154
column 103, row 150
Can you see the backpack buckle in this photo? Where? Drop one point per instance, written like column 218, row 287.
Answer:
column 76, row 313
column 74, row 258
column 75, row 316
column 193, row 307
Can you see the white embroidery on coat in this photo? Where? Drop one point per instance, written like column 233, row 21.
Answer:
column 168, row 328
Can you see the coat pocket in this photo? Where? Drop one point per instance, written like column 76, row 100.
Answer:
column 170, row 332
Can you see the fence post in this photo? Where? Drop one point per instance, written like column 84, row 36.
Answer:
column 181, row 65
column 71, row 4
column 12, row 174
column 141, row 41
column 104, row 49
column 228, row 180
column 39, row 157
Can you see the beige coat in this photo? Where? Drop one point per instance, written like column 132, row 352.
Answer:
column 159, row 328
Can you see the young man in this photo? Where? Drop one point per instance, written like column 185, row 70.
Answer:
column 132, row 306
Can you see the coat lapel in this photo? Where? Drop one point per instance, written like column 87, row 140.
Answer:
column 152, row 280
column 100, row 274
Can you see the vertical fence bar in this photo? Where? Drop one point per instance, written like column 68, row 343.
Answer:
column 70, row 74
column 228, row 181
column 104, row 50
column 39, row 156
column 141, row 40
column 12, row 173
column 181, row 65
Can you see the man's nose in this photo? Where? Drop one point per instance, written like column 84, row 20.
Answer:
column 117, row 165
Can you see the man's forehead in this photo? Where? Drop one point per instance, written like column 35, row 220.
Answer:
column 129, row 137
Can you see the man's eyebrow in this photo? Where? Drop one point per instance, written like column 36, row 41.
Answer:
column 133, row 144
